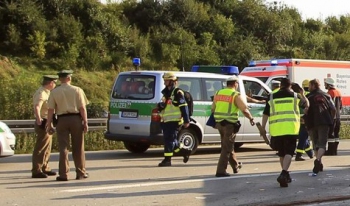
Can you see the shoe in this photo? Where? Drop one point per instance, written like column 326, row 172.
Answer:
column 61, row 178
column 186, row 156
column 299, row 158
column 289, row 179
column 222, row 174
column 317, row 166
column 50, row 173
column 239, row 166
column 39, row 175
column 321, row 167
column 81, row 177
column 282, row 179
column 310, row 154
column 164, row 164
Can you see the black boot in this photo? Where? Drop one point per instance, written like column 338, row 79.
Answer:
column 336, row 148
column 299, row 157
column 186, row 155
column 331, row 149
column 283, row 179
column 165, row 163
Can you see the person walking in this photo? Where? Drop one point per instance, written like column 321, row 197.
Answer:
column 304, row 145
column 174, row 115
column 42, row 148
column 282, row 111
column 333, row 136
column 69, row 102
column 225, row 108
column 318, row 119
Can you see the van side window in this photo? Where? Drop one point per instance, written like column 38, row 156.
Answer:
column 191, row 85
column 212, row 86
column 254, row 89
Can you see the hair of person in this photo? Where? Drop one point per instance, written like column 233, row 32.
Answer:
column 231, row 83
column 285, row 83
column 316, row 83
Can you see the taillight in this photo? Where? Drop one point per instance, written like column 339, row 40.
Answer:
column 155, row 117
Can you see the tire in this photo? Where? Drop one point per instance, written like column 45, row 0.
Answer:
column 136, row 147
column 238, row 145
column 189, row 139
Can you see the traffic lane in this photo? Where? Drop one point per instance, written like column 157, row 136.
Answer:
column 141, row 175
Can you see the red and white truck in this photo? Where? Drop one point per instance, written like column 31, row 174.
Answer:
column 297, row 70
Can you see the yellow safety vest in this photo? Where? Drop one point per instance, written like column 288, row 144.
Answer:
column 225, row 108
column 284, row 116
column 171, row 113
column 275, row 90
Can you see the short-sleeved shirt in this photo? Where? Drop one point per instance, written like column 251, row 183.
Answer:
column 66, row 99
column 282, row 93
column 40, row 98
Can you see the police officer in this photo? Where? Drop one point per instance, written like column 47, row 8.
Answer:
column 174, row 115
column 42, row 149
column 225, row 108
column 333, row 137
column 70, row 104
column 283, row 113
column 304, row 145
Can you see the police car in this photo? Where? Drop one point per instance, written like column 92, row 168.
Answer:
column 134, row 119
column 7, row 141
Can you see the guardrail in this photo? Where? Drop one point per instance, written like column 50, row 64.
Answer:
column 27, row 126
column 97, row 124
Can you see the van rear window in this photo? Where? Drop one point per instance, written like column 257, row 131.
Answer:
column 138, row 87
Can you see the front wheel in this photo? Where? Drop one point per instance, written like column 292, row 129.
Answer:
column 188, row 138
column 136, row 147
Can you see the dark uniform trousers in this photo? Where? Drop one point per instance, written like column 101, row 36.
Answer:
column 67, row 126
column 227, row 148
column 170, row 132
column 42, row 150
column 304, row 143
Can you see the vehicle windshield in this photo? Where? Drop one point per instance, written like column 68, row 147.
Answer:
column 137, row 87
column 263, row 79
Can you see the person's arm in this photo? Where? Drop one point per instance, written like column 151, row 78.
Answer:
column 238, row 101
column 82, row 109
column 252, row 100
column 37, row 108
column 183, row 108
column 304, row 102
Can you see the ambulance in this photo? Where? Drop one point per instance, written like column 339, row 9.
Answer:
column 134, row 119
column 297, row 70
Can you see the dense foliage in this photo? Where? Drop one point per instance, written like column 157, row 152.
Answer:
column 164, row 33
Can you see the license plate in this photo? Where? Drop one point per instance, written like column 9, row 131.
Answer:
column 129, row 114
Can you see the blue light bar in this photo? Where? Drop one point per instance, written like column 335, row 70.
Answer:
column 252, row 64
column 136, row 61
column 229, row 70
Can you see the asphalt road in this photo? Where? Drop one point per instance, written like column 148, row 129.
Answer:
column 122, row 178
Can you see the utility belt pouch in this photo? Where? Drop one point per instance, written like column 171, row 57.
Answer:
column 236, row 127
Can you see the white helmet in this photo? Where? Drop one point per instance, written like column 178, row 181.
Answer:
column 232, row 79
column 330, row 81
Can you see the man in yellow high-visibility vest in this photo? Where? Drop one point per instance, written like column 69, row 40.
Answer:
column 174, row 113
column 225, row 108
column 283, row 113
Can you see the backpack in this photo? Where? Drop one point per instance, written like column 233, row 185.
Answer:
column 189, row 100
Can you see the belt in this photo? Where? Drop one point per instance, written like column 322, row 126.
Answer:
column 68, row 114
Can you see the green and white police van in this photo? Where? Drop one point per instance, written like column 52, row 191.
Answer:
column 134, row 119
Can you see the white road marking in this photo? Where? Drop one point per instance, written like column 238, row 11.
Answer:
column 124, row 186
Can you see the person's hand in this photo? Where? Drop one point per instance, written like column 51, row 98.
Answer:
column 86, row 127
column 302, row 92
column 186, row 125
column 39, row 121
column 48, row 128
column 252, row 121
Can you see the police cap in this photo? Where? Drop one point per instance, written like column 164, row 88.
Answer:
column 50, row 77
column 65, row 73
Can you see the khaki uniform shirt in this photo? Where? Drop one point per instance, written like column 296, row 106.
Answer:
column 67, row 99
column 40, row 98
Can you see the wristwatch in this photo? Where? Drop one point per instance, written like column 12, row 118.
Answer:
column 251, row 119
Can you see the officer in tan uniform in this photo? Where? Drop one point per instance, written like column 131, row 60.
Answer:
column 70, row 104
column 42, row 149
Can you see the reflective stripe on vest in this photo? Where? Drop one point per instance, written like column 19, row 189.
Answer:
column 275, row 90
column 284, row 116
column 171, row 113
column 225, row 108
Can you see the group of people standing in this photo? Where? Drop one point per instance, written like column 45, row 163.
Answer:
column 68, row 104
column 301, row 112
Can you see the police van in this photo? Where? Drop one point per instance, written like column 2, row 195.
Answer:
column 134, row 119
